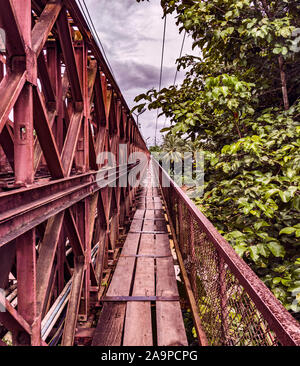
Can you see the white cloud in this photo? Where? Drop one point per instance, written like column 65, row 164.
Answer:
column 131, row 34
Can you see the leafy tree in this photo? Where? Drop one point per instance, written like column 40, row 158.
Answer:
column 240, row 101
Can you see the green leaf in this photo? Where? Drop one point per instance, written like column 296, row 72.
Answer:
column 277, row 50
column 276, row 249
column 236, row 234
column 240, row 249
column 276, row 280
column 254, row 253
column 287, row 230
column 260, row 224
column 271, row 192
column 263, row 250
column 285, row 196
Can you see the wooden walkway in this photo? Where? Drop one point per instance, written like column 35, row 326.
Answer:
column 149, row 313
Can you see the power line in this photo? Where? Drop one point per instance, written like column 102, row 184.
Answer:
column 181, row 50
column 180, row 54
column 161, row 68
column 162, row 53
column 96, row 36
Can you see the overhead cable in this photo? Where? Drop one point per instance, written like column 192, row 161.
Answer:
column 180, row 54
column 161, row 69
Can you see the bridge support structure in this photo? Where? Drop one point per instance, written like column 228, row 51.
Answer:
column 61, row 115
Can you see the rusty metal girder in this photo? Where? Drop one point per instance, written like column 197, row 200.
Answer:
column 59, row 108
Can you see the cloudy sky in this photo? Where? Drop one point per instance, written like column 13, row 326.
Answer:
column 131, row 34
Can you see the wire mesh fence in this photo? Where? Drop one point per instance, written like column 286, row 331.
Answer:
column 235, row 306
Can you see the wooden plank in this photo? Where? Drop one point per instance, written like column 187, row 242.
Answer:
column 149, row 225
column 147, row 245
column 149, row 214
column 156, row 213
column 139, row 214
column 131, row 244
column 136, row 225
column 162, row 244
column 161, row 225
column 170, row 326
column 110, row 325
column 156, row 198
column 189, row 291
column 138, row 323
column 155, row 225
column 122, row 278
column 166, row 280
column 136, row 316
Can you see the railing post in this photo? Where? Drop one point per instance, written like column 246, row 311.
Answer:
column 181, row 236
column 193, row 272
column 223, row 298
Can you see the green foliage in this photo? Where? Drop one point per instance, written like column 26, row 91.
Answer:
column 231, row 104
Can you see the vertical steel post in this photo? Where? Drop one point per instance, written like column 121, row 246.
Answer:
column 23, row 109
column 24, row 174
column 26, row 276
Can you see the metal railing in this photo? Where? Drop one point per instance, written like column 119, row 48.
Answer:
column 235, row 306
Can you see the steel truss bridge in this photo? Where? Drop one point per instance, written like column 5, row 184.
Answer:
column 83, row 263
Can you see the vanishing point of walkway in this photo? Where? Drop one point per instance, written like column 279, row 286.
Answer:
column 141, row 306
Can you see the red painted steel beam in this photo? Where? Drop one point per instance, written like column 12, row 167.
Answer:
column 8, row 21
column 44, row 25
column 73, row 234
column 26, row 276
column 73, row 307
column 71, row 140
column 7, row 255
column 37, row 147
column 7, row 143
column 10, row 89
column 45, row 136
column 23, row 137
column 26, row 208
column 44, row 77
column 69, row 56
column 84, row 29
column 92, row 151
column 12, row 320
column 69, row 134
column 46, row 258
